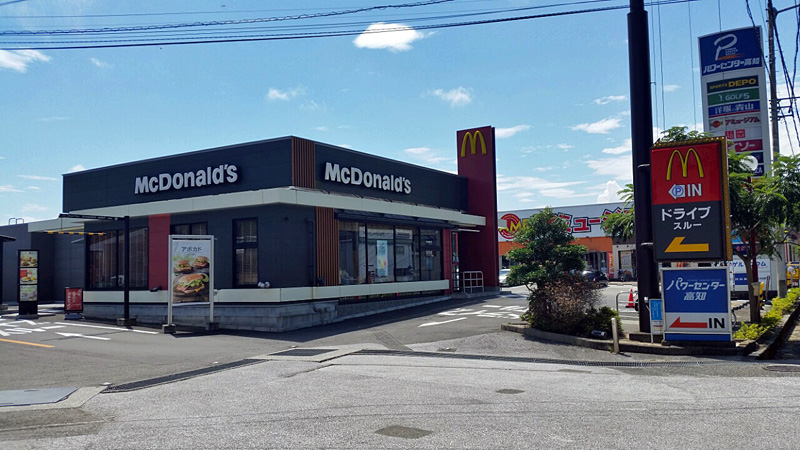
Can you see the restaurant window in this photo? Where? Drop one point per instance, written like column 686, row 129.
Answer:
column 352, row 253
column 194, row 229
column 105, row 259
column 406, row 248
column 245, row 247
column 431, row 252
column 380, row 253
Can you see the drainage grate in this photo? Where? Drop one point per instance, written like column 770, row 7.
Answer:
column 304, row 352
column 783, row 368
column 178, row 376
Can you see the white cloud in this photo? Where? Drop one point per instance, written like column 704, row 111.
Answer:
column 78, row 168
column 38, row 178
column 100, row 64
column 621, row 167
column 459, row 96
column 426, row 155
column 277, row 94
column 8, row 188
column 609, row 194
column 624, row 148
column 33, row 188
column 53, row 119
column 600, row 127
column 20, row 59
column 33, row 207
column 610, row 98
column 671, row 87
column 321, row 128
column 393, row 36
column 311, row 105
column 564, row 146
column 501, row 133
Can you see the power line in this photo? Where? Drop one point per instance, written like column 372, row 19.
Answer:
column 141, row 42
column 221, row 22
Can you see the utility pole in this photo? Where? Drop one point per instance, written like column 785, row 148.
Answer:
column 779, row 273
column 642, row 140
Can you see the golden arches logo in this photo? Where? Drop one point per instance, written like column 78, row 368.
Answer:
column 685, row 163
column 473, row 143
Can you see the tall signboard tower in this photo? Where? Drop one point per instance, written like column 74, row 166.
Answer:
column 477, row 162
column 691, row 222
column 734, row 86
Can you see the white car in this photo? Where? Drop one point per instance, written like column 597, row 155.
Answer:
column 503, row 274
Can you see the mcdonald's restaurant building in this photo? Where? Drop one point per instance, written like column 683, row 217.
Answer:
column 304, row 233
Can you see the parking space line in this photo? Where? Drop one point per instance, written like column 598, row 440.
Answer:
column 27, row 343
column 106, row 328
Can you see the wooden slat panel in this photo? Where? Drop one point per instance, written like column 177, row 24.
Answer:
column 303, row 163
column 327, row 247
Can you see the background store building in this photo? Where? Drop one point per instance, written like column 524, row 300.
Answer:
column 304, row 233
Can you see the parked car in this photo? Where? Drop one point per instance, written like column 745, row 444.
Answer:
column 503, row 274
column 597, row 277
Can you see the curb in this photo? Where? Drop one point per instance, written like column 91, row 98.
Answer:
column 627, row 345
column 770, row 341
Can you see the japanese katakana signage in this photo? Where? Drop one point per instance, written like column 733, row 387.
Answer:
column 691, row 220
column 734, row 91
column 696, row 304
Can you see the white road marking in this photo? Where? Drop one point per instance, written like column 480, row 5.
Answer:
column 106, row 328
column 439, row 323
column 53, row 327
column 83, row 336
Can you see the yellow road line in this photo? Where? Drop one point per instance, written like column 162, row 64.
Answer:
column 27, row 343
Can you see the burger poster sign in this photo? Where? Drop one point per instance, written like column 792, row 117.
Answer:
column 190, row 268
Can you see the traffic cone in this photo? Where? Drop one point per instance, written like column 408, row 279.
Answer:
column 630, row 300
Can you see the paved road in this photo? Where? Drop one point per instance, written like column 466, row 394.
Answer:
column 439, row 376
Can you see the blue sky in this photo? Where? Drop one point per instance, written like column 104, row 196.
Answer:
column 555, row 88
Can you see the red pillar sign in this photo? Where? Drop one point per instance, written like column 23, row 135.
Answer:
column 476, row 162
column 691, row 209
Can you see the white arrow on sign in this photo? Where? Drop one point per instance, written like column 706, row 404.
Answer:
column 439, row 323
column 80, row 335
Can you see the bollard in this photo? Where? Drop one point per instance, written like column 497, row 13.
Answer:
column 615, row 335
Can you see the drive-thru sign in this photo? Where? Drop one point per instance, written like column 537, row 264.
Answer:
column 691, row 212
column 697, row 304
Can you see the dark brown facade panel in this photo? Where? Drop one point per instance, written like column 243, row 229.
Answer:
column 327, row 247
column 303, row 163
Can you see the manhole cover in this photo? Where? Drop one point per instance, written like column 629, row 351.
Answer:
column 783, row 368
column 509, row 391
column 304, row 352
column 403, row 432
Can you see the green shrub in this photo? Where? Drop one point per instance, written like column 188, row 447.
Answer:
column 600, row 319
column 749, row 331
column 567, row 306
column 780, row 306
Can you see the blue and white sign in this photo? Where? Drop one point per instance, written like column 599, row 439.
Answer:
column 697, row 304
column 731, row 50
column 656, row 316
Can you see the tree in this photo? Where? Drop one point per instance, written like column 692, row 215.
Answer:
column 548, row 262
column 620, row 225
column 545, row 253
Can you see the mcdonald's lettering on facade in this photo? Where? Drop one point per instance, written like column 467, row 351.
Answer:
column 472, row 138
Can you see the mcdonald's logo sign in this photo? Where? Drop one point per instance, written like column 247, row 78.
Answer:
column 472, row 138
column 684, row 161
